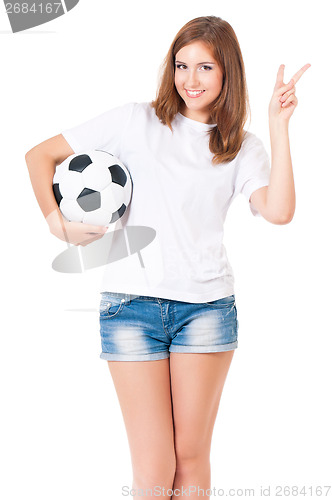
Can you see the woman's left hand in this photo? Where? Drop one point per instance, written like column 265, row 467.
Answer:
column 284, row 100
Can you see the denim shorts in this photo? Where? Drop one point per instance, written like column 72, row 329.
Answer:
column 141, row 328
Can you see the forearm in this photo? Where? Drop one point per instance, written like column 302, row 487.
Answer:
column 280, row 198
column 41, row 161
column 41, row 170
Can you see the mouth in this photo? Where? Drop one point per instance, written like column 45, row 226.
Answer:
column 194, row 93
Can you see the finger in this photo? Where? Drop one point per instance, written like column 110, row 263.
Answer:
column 280, row 74
column 280, row 77
column 90, row 229
column 84, row 243
column 286, row 94
column 298, row 75
column 285, row 88
column 292, row 99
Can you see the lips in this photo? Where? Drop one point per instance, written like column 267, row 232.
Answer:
column 194, row 93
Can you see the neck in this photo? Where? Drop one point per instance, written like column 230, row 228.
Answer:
column 198, row 116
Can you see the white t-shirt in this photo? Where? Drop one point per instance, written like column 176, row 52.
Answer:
column 177, row 192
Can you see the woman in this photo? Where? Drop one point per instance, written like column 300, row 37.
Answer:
column 189, row 156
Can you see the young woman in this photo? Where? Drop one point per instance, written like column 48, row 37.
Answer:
column 169, row 345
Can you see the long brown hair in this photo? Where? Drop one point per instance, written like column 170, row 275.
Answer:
column 231, row 108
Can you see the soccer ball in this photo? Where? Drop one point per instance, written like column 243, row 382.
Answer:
column 93, row 188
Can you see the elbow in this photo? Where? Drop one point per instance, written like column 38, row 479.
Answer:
column 31, row 155
column 28, row 156
column 28, row 153
column 281, row 218
column 284, row 219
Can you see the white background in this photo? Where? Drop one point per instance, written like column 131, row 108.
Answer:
column 62, row 433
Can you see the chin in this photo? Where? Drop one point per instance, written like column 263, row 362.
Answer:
column 194, row 105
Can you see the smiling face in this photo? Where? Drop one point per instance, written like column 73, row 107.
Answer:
column 198, row 80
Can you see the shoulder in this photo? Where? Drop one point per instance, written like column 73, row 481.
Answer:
column 135, row 113
column 252, row 148
column 250, row 140
column 143, row 115
column 252, row 156
column 144, row 109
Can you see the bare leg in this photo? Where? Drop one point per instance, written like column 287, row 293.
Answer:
column 143, row 389
column 197, row 381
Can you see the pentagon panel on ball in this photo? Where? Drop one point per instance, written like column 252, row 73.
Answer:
column 92, row 187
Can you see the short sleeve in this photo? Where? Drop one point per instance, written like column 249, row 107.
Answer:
column 253, row 169
column 102, row 132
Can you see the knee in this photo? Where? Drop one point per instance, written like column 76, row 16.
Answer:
column 191, row 458
column 155, row 471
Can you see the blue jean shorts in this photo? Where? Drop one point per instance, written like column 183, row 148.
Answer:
column 141, row 328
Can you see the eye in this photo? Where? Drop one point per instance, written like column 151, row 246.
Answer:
column 206, row 68
column 181, row 66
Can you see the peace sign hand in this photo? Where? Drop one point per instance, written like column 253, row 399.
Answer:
column 284, row 100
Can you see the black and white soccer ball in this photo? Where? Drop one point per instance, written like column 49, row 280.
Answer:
column 93, row 187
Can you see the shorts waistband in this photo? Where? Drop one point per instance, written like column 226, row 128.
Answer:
column 128, row 297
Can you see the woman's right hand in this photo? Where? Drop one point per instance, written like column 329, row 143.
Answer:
column 75, row 233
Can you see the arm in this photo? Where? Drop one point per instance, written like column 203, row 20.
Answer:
column 276, row 202
column 41, row 161
column 280, row 196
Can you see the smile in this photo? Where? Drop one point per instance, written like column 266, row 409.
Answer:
column 194, row 93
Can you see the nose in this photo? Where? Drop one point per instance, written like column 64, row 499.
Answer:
column 192, row 80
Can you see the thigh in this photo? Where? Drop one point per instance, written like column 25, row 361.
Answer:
column 131, row 329
column 205, row 327
column 197, row 381
column 143, row 390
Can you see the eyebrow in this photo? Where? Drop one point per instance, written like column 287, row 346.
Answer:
column 198, row 64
